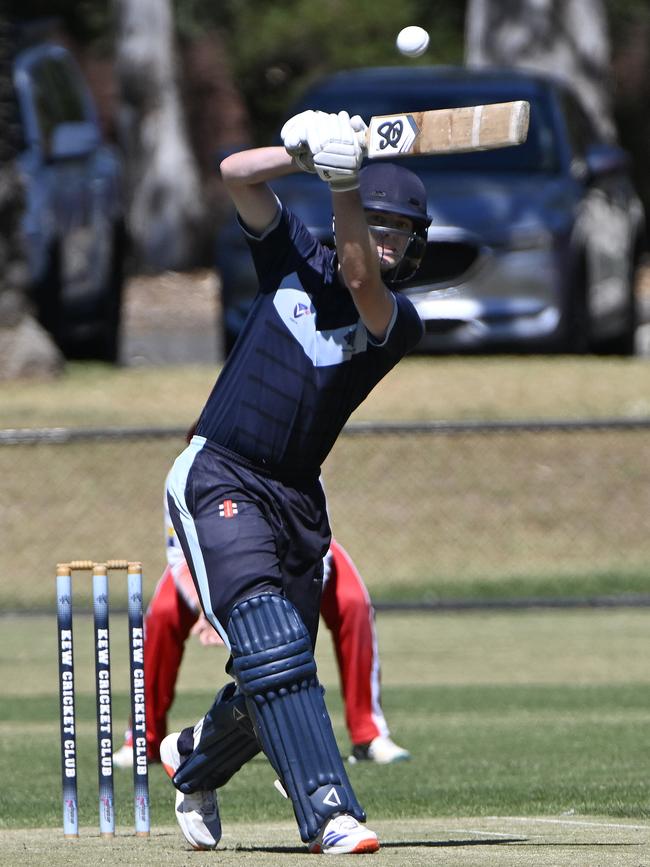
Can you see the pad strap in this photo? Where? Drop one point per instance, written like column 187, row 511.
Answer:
column 273, row 662
column 227, row 741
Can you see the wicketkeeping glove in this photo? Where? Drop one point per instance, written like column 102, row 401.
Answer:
column 340, row 152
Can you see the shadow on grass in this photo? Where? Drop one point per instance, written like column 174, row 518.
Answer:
column 441, row 844
column 405, row 844
column 562, row 845
column 444, row 844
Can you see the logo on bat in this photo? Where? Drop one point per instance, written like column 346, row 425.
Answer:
column 392, row 134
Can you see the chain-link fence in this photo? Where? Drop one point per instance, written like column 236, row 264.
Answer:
column 430, row 511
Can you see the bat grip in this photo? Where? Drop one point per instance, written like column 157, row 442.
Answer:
column 363, row 137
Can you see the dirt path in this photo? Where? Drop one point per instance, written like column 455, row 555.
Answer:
column 172, row 318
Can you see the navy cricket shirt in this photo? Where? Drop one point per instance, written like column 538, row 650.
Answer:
column 304, row 360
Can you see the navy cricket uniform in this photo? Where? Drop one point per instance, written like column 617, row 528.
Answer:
column 245, row 496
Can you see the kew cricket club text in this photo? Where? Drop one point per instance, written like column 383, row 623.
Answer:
column 139, row 724
column 67, row 704
column 104, row 703
column 103, row 695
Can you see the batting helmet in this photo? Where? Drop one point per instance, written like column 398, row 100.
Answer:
column 394, row 189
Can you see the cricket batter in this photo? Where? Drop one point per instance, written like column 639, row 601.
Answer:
column 245, row 497
column 174, row 613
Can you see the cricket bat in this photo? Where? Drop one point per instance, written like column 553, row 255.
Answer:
column 447, row 130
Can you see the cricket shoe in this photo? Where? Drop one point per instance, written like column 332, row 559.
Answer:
column 381, row 750
column 343, row 835
column 123, row 758
column 197, row 814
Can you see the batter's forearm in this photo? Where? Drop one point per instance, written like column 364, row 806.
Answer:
column 256, row 166
column 359, row 263
column 245, row 175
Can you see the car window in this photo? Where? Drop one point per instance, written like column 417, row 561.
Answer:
column 580, row 130
column 57, row 97
column 539, row 153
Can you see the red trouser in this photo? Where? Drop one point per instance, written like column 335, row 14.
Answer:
column 349, row 615
column 167, row 625
column 347, row 612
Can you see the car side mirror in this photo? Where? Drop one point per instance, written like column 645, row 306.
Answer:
column 73, row 140
column 605, row 159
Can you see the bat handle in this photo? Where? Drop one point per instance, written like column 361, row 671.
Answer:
column 363, row 137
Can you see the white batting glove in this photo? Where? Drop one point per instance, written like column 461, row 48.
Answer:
column 359, row 125
column 294, row 138
column 341, row 152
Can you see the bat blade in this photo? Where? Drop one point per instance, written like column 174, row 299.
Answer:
column 448, row 130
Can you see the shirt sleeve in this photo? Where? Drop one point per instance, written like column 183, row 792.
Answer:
column 404, row 331
column 255, row 236
column 288, row 247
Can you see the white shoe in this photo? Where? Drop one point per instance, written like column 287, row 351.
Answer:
column 381, row 750
column 123, row 758
column 343, row 835
column 197, row 814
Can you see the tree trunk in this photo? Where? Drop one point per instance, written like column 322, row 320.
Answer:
column 566, row 37
column 217, row 117
column 166, row 211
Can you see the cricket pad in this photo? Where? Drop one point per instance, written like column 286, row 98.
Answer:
column 227, row 741
column 273, row 663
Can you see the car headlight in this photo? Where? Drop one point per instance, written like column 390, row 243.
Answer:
column 534, row 237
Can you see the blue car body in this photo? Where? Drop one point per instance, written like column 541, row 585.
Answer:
column 73, row 221
column 531, row 248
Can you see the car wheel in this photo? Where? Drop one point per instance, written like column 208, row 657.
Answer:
column 624, row 343
column 107, row 347
column 102, row 343
column 46, row 294
column 574, row 324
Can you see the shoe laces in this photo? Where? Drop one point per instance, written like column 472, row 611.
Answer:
column 202, row 802
column 343, row 823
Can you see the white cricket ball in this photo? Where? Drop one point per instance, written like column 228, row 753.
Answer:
column 412, row 41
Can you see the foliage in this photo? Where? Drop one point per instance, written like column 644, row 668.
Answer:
column 85, row 20
column 629, row 22
column 277, row 49
column 625, row 11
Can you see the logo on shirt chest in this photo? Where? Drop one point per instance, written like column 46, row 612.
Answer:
column 227, row 509
column 324, row 347
column 301, row 310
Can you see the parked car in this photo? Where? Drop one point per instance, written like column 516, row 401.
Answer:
column 531, row 248
column 73, row 223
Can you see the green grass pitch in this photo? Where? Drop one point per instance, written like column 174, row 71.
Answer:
column 528, row 732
